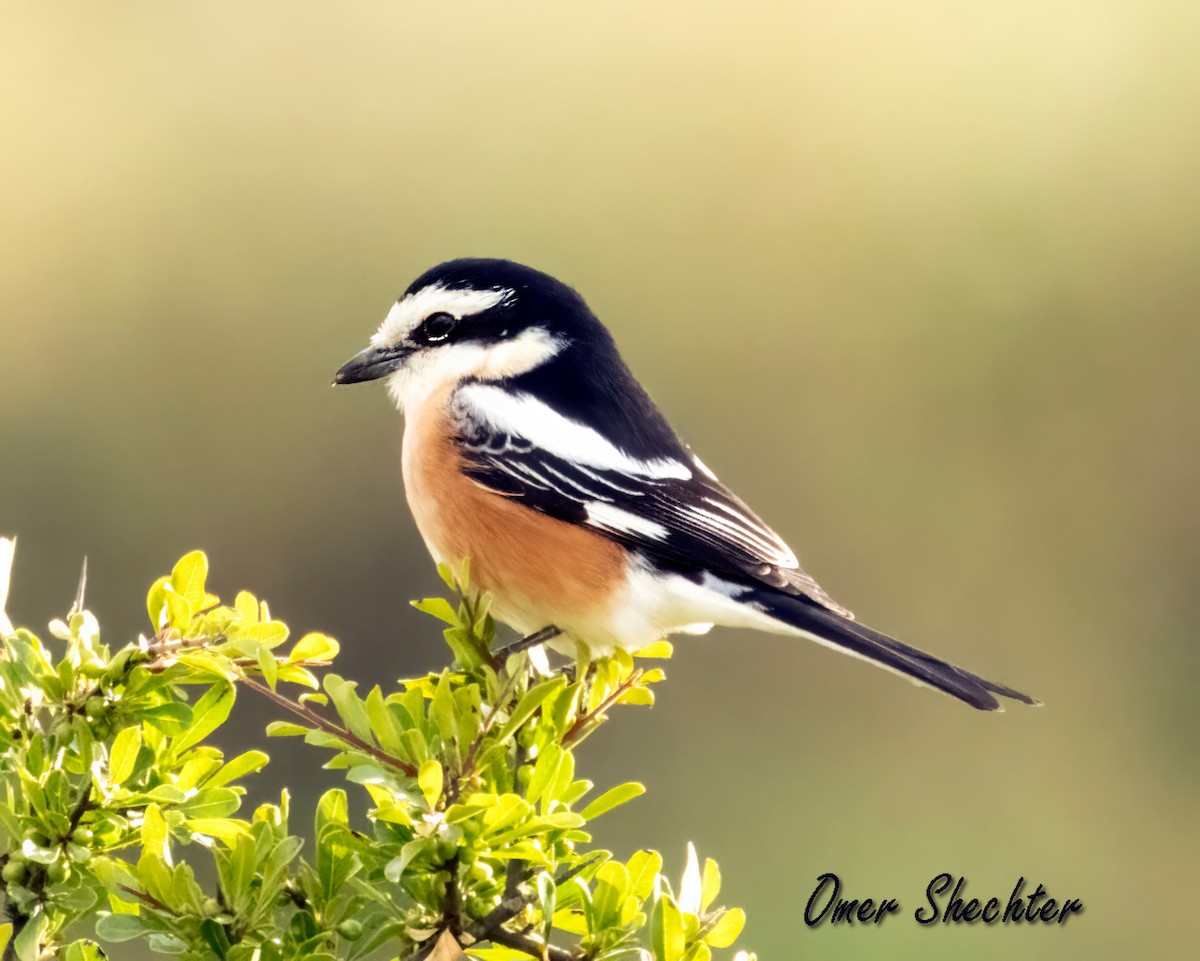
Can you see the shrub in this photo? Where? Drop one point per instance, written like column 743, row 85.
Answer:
column 467, row 827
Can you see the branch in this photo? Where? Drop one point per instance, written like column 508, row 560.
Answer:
column 513, row 904
column 38, row 877
column 577, row 731
column 468, row 763
column 329, row 727
column 149, row 899
column 531, row 946
column 81, row 808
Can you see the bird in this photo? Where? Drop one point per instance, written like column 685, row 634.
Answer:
column 530, row 449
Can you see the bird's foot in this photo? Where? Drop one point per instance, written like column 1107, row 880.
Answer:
column 537, row 638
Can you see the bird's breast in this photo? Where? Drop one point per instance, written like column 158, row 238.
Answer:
column 541, row 570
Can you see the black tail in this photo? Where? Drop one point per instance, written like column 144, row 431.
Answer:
column 854, row 638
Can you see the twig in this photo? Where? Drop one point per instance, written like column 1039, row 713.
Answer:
column 81, row 808
column 576, row 730
column 513, row 904
column 149, row 899
column 453, row 908
column 468, row 764
column 532, row 946
column 329, row 727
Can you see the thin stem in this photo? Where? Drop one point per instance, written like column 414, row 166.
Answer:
column 149, row 899
column 81, row 808
column 468, row 764
column 583, row 724
column 329, row 727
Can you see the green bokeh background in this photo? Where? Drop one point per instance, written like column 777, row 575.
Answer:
column 918, row 280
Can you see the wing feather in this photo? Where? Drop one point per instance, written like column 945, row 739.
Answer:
column 669, row 510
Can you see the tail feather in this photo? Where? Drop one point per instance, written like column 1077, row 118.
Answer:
column 830, row 628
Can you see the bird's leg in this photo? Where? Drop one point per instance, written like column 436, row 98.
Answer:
column 547, row 633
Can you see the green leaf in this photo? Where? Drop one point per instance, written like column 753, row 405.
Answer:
column 572, row 922
column 498, row 954
column 336, row 862
column 711, row 885
column 156, row 602
column 348, row 705
column 239, row 767
column 160, row 943
column 394, row 869
column 666, row 930
column 225, row 830
column 215, row 937
column 530, row 702
column 637, row 696
column 208, row 714
column 246, row 605
column 268, row 634
column 392, row 814
column 314, row 646
column 83, row 951
column 120, row 927
column 217, row 802
column 266, row 664
column 123, row 756
column 544, row 772
column 440, row 608
column 429, row 779
column 383, row 724
column 172, row 717
column 643, row 867
column 547, row 896
column 609, row 887
column 614, row 797
column 174, row 609
column 188, row 577
column 285, row 729
column 727, row 929
column 441, row 710
column 154, row 833
column 27, row 944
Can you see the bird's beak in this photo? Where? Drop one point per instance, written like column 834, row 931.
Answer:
column 370, row 364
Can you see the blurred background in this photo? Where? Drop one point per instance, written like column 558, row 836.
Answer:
column 919, row 281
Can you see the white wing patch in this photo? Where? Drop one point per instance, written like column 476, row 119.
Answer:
column 523, row 415
column 608, row 517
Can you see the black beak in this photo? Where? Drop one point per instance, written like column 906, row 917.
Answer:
column 370, row 364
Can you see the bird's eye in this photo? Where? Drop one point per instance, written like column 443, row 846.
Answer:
column 437, row 327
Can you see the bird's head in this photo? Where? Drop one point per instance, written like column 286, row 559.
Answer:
column 471, row 319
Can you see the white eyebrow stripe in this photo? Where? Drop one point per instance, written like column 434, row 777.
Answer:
column 606, row 516
column 523, row 415
column 413, row 308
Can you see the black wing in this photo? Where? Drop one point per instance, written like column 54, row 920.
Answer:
column 670, row 510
